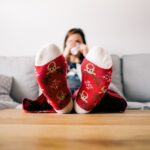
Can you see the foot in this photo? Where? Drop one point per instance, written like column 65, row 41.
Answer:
column 38, row 105
column 96, row 76
column 51, row 68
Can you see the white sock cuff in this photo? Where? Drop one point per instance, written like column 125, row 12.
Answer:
column 66, row 109
column 79, row 110
column 100, row 57
column 46, row 54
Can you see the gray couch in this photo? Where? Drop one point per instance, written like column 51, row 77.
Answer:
column 131, row 76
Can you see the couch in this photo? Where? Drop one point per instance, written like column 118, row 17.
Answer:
column 131, row 77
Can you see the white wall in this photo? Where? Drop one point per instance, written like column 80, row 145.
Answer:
column 122, row 26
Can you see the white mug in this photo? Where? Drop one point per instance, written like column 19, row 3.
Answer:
column 75, row 50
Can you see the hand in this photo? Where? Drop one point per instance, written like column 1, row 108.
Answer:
column 67, row 50
column 83, row 49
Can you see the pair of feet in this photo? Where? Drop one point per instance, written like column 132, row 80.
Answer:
column 51, row 69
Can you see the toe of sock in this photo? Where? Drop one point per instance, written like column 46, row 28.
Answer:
column 100, row 57
column 46, row 54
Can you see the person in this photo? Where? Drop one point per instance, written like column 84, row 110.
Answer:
column 74, row 39
column 77, row 79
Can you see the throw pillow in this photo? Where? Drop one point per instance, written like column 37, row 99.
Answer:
column 5, row 87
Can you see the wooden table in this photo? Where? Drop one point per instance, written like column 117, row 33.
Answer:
column 38, row 131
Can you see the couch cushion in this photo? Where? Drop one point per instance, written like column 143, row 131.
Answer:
column 5, row 87
column 5, row 84
column 22, row 70
column 136, row 77
column 116, row 76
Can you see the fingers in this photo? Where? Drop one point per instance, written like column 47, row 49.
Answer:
column 83, row 49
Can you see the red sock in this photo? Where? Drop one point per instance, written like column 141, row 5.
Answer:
column 38, row 105
column 111, row 102
column 95, row 80
column 51, row 77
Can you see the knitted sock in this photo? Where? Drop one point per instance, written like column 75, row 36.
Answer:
column 38, row 105
column 111, row 102
column 51, row 68
column 96, row 71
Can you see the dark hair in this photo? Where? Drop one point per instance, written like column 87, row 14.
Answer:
column 75, row 31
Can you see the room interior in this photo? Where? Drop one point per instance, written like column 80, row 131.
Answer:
column 120, row 26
